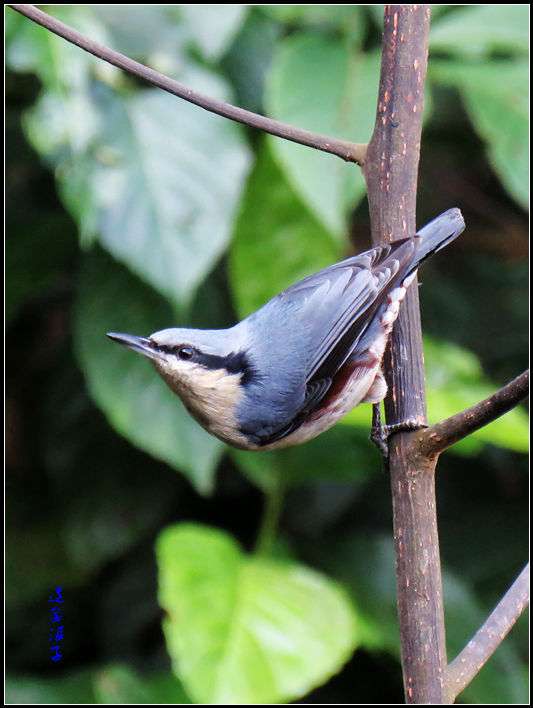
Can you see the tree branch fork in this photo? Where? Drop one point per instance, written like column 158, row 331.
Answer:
column 420, row 448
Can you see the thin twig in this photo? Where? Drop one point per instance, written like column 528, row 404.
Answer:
column 488, row 638
column 348, row 151
column 438, row 437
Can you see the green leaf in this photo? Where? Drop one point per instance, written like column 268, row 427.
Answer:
column 273, row 220
column 302, row 92
column 495, row 95
column 156, row 179
column 150, row 185
column 132, row 395
column 173, row 191
column 477, row 30
column 213, row 27
column 456, row 381
column 120, row 685
column 244, row 629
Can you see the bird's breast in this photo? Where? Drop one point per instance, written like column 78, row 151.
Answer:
column 212, row 396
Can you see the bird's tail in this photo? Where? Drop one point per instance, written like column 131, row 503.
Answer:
column 437, row 234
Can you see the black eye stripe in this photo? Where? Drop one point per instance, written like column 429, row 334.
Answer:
column 234, row 363
column 183, row 351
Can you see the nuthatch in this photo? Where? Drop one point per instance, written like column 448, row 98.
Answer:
column 290, row 370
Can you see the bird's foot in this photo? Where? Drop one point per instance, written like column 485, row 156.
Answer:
column 377, row 434
column 380, row 434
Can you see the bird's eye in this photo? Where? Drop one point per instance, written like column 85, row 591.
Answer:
column 185, row 353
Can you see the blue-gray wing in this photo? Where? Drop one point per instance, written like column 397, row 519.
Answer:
column 303, row 336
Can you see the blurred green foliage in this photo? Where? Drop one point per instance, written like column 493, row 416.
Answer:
column 131, row 210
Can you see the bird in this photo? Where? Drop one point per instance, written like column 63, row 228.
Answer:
column 293, row 368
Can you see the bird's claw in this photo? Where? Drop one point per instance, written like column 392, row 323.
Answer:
column 380, row 434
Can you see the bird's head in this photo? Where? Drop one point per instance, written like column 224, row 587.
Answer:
column 206, row 368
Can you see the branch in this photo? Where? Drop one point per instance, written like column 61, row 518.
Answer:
column 488, row 638
column 350, row 152
column 440, row 436
column 391, row 172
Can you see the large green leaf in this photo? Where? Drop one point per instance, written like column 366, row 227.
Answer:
column 155, row 178
column 245, row 629
column 175, row 187
column 132, row 395
column 318, row 84
column 476, row 30
column 276, row 241
column 149, row 186
column 495, row 94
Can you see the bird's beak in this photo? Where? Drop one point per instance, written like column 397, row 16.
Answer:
column 142, row 345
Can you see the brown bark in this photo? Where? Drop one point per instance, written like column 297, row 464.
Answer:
column 391, row 171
